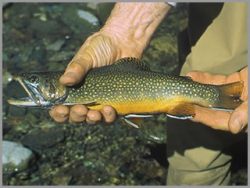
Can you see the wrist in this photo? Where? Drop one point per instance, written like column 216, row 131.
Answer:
column 133, row 24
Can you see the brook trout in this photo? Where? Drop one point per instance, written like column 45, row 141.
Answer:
column 131, row 88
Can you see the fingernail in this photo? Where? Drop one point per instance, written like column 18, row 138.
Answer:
column 69, row 78
column 69, row 74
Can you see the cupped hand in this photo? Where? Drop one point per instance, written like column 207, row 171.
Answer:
column 235, row 121
column 100, row 49
column 126, row 33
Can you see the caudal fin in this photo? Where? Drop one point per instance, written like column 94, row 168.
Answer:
column 230, row 95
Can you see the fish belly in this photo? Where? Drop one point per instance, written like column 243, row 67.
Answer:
column 178, row 106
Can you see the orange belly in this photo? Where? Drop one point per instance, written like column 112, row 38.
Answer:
column 146, row 106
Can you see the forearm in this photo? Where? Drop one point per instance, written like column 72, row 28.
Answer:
column 134, row 24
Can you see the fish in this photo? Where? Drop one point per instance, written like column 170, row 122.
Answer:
column 131, row 88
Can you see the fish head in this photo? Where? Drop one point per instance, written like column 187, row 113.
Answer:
column 43, row 89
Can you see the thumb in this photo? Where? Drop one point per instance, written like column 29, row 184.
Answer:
column 76, row 69
column 98, row 50
column 239, row 118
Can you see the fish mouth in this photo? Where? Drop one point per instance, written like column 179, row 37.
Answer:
column 34, row 98
column 26, row 101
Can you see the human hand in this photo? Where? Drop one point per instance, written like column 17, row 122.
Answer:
column 98, row 50
column 229, row 121
column 125, row 34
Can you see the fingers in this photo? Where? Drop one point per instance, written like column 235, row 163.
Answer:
column 93, row 117
column 233, row 122
column 244, row 78
column 59, row 113
column 207, row 78
column 212, row 118
column 239, row 118
column 80, row 113
column 216, row 79
column 221, row 120
column 109, row 114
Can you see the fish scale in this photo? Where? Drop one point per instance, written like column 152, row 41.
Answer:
column 106, row 87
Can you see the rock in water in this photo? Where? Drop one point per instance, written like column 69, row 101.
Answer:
column 15, row 157
column 7, row 78
column 92, row 19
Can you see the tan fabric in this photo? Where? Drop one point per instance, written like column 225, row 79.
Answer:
column 194, row 151
column 217, row 176
column 222, row 48
column 199, row 166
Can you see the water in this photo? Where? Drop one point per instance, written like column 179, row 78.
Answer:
column 44, row 37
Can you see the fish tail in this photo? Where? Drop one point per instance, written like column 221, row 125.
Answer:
column 229, row 97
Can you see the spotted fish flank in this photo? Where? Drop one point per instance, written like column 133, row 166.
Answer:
column 131, row 88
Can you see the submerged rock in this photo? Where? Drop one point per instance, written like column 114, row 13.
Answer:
column 7, row 78
column 62, row 56
column 15, row 157
column 39, row 139
column 56, row 46
column 92, row 19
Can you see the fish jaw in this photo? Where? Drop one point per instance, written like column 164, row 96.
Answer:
column 31, row 100
column 24, row 102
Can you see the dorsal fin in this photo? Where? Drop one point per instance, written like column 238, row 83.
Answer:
column 127, row 64
column 131, row 63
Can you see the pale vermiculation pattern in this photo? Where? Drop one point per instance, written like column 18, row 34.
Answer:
column 136, row 85
column 127, row 81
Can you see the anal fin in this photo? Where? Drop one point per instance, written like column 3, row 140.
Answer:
column 182, row 111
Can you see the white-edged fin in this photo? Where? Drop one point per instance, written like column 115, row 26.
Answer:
column 130, row 123
column 126, row 118
column 138, row 116
column 179, row 117
column 26, row 103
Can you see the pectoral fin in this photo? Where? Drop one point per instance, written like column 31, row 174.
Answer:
column 182, row 111
column 131, row 123
column 135, row 120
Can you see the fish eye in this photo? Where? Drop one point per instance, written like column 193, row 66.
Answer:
column 33, row 78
